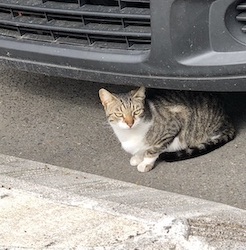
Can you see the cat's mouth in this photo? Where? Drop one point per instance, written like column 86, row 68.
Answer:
column 128, row 127
column 124, row 125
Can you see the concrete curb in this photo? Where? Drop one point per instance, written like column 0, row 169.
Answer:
column 49, row 207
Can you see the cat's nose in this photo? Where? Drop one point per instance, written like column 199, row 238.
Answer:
column 130, row 124
column 129, row 120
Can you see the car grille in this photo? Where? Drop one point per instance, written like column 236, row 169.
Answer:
column 119, row 24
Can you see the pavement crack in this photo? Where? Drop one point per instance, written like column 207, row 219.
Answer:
column 50, row 244
column 4, row 196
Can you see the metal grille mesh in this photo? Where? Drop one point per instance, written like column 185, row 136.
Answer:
column 123, row 24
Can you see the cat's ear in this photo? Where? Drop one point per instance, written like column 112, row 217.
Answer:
column 139, row 93
column 106, row 97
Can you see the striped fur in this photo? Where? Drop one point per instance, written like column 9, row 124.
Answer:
column 157, row 121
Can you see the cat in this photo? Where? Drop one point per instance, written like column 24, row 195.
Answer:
column 148, row 123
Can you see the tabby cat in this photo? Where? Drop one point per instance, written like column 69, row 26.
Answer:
column 148, row 123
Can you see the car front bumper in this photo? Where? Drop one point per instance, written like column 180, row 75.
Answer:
column 192, row 47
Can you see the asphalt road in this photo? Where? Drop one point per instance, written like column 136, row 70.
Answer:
column 61, row 122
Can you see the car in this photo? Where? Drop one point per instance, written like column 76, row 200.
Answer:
column 169, row 44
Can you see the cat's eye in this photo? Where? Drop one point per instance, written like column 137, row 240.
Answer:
column 137, row 112
column 118, row 114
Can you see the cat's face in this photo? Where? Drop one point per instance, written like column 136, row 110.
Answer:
column 124, row 110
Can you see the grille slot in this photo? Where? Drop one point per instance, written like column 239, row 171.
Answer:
column 241, row 17
column 123, row 24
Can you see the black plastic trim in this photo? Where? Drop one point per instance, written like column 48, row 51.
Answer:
column 192, row 48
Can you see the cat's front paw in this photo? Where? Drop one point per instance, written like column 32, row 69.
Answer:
column 143, row 167
column 135, row 160
column 147, row 164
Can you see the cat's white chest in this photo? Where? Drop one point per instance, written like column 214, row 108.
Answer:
column 134, row 144
column 133, row 140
